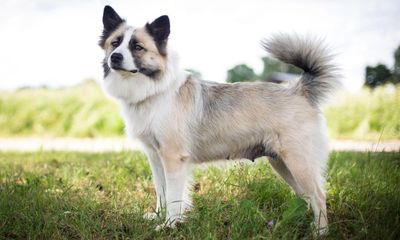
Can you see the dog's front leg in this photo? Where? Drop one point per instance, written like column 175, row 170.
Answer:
column 177, row 176
column 157, row 170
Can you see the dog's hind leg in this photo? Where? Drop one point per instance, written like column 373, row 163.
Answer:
column 304, row 160
column 280, row 167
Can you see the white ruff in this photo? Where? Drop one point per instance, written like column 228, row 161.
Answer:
column 140, row 96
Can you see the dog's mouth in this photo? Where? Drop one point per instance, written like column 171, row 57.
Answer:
column 125, row 70
column 146, row 71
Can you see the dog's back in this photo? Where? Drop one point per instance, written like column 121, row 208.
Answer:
column 244, row 120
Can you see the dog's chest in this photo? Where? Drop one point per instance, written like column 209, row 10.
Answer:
column 143, row 120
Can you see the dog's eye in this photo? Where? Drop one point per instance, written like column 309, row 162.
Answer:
column 116, row 42
column 137, row 47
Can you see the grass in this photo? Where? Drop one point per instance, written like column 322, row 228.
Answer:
column 59, row 195
column 84, row 111
column 81, row 111
column 368, row 115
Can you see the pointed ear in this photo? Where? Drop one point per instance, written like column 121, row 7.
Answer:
column 159, row 29
column 111, row 19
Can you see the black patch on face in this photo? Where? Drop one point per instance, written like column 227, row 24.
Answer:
column 118, row 40
column 159, row 29
column 111, row 21
column 106, row 68
column 149, row 71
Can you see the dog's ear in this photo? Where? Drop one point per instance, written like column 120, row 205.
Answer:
column 111, row 19
column 159, row 29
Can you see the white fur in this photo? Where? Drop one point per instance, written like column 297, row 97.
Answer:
column 140, row 119
column 123, row 49
column 159, row 181
column 171, row 188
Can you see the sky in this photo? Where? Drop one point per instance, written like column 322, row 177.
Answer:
column 54, row 43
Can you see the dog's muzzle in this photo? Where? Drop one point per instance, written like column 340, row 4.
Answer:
column 116, row 63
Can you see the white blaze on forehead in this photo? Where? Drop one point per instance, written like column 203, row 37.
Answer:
column 128, row 63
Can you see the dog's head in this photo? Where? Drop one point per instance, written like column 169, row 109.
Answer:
column 137, row 55
column 134, row 50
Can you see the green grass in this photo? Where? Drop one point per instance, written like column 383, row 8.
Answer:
column 84, row 111
column 58, row 195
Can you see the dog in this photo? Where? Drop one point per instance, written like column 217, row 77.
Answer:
column 181, row 120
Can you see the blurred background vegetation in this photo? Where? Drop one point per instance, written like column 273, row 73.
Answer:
column 84, row 110
column 80, row 111
column 375, row 76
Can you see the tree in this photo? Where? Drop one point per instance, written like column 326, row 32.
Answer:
column 271, row 66
column 396, row 68
column 380, row 74
column 195, row 73
column 241, row 73
column 377, row 75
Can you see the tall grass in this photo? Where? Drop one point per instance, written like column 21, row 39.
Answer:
column 370, row 114
column 81, row 111
column 84, row 111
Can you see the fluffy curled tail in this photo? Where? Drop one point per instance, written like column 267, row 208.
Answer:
column 319, row 79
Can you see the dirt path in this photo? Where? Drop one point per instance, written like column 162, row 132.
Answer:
column 119, row 144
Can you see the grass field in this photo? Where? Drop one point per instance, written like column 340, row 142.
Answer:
column 368, row 115
column 58, row 195
column 81, row 111
column 84, row 111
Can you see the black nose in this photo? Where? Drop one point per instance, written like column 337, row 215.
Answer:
column 116, row 58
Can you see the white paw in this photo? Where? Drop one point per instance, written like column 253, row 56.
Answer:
column 322, row 231
column 150, row 216
column 319, row 231
column 159, row 227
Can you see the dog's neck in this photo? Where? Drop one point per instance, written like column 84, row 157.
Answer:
column 169, row 90
column 174, row 77
column 139, row 113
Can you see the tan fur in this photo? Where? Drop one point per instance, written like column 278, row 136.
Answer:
column 151, row 56
column 171, row 151
column 147, row 41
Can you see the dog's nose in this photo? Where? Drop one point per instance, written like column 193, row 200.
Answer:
column 116, row 58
